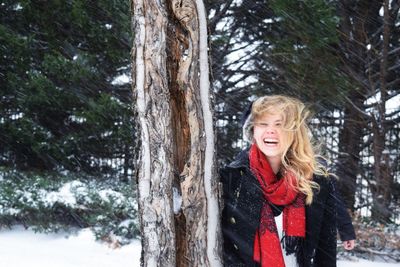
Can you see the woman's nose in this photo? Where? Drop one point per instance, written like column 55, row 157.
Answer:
column 271, row 130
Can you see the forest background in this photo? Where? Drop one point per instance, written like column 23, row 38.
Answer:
column 68, row 143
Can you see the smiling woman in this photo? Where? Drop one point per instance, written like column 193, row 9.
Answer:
column 277, row 125
column 279, row 174
column 268, row 134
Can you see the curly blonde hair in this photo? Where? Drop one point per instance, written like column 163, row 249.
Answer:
column 299, row 154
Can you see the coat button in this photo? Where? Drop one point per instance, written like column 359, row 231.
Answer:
column 233, row 221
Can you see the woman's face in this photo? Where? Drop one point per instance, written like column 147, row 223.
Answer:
column 269, row 135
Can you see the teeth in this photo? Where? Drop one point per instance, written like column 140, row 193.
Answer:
column 270, row 141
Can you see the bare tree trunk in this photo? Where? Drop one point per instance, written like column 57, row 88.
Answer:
column 156, row 167
column 381, row 190
column 350, row 139
column 353, row 42
column 177, row 156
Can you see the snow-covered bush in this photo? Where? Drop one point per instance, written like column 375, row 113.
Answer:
column 49, row 203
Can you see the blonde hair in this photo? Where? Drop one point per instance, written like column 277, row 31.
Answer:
column 299, row 154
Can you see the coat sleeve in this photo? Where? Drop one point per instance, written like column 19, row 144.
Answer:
column 326, row 250
column 344, row 224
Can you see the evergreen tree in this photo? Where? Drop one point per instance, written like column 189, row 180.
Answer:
column 61, row 108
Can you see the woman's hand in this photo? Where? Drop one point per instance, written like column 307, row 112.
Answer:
column 349, row 244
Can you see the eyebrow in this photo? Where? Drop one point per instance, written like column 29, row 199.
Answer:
column 275, row 121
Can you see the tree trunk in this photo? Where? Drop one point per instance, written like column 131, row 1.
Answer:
column 381, row 190
column 350, row 139
column 156, row 170
column 352, row 43
column 177, row 170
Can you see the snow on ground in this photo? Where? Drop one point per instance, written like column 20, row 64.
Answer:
column 21, row 248
column 365, row 263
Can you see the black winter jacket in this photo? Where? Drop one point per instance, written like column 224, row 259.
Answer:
column 241, row 215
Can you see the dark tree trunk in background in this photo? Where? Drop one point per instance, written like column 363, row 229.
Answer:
column 350, row 139
column 352, row 50
column 382, row 189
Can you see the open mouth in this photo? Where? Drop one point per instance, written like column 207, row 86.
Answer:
column 270, row 141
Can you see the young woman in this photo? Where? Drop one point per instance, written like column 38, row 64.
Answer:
column 279, row 175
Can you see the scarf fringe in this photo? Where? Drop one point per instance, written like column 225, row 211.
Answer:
column 292, row 244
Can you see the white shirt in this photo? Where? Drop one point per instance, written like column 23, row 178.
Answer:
column 290, row 260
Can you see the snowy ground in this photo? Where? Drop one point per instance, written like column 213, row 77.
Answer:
column 21, row 248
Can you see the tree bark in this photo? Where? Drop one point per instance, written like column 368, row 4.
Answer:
column 352, row 43
column 178, row 185
column 350, row 139
column 381, row 190
column 154, row 113
column 365, row 57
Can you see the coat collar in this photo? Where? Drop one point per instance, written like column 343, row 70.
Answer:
column 241, row 160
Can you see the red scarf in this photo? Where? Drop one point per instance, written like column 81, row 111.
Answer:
column 267, row 248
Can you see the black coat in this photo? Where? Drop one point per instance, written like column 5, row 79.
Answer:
column 241, row 215
column 344, row 224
